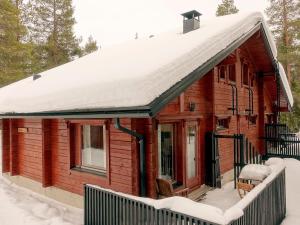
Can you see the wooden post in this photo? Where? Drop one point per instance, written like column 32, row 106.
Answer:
column 14, row 153
column 5, row 146
column 46, row 153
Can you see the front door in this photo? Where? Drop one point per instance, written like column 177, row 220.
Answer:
column 192, row 154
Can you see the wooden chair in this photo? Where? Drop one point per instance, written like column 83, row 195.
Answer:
column 245, row 186
column 165, row 189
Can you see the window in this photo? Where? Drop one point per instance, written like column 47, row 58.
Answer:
column 166, row 151
column 223, row 123
column 231, row 73
column 245, row 74
column 93, row 153
column 88, row 146
column 191, row 150
column 222, row 72
column 252, row 119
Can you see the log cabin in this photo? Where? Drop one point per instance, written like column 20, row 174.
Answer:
column 128, row 114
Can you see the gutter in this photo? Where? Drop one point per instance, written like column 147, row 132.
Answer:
column 141, row 139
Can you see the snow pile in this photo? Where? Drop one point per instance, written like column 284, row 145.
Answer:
column 255, row 172
column 274, row 161
column 22, row 207
column 131, row 74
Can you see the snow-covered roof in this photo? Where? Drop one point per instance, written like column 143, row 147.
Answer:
column 132, row 75
column 285, row 84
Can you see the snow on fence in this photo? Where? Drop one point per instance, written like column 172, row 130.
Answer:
column 265, row 204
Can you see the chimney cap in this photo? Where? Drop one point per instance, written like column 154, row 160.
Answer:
column 191, row 14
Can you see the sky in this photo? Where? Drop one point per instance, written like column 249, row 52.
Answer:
column 115, row 21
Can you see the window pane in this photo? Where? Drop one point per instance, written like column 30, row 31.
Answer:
column 245, row 74
column 191, row 151
column 222, row 72
column 93, row 147
column 232, row 76
column 166, row 148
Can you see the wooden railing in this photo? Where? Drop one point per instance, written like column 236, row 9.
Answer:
column 104, row 207
column 280, row 142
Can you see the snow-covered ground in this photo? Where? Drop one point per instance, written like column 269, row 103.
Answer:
column 293, row 192
column 222, row 198
column 22, row 207
column 19, row 206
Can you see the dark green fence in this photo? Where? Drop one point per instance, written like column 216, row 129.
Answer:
column 103, row 207
column 280, row 142
column 244, row 154
column 269, row 207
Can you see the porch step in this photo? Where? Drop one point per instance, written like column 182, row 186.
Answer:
column 198, row 194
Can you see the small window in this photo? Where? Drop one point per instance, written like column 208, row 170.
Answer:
column 245, row 74
column 93, row 147
column 231, row 73
column 222, row 72
column 223, row 123
column 252, row 119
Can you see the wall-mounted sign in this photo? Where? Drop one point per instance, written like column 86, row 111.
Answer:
column 22, row 130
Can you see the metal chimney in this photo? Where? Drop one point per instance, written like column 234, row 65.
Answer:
column 191, row 21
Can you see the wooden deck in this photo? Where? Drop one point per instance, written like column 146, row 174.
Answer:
column 198, row 194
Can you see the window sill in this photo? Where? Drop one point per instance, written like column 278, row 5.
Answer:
column 85, row 170
column 222, row 128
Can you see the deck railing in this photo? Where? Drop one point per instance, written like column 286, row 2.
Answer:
column 104, row 207
column 280, row 142
column 269, row 206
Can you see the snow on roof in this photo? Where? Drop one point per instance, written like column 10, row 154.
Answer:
column 131, row 74
column 285, row 85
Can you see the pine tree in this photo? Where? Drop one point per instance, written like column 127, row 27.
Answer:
column 90, row 46
column 227, row 7
column 285, row 23
column 51, row 30
column 14, row 53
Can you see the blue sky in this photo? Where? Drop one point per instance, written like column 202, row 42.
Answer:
column 114, row 21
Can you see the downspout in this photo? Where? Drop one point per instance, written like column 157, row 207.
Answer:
column 142, row 151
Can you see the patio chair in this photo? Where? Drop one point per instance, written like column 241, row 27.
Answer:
column 165, row 189
column 244, row 186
